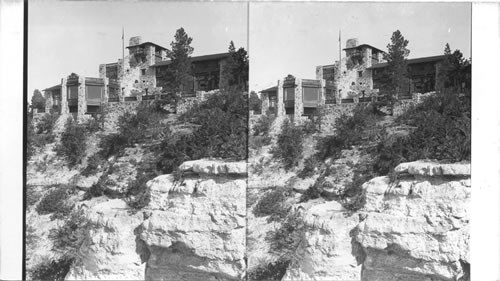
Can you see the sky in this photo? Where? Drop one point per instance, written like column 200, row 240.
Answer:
column 294, row 38
column 70, row 36
column 282, row 38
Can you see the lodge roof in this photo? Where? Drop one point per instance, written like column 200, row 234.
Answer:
column 196, row 59
column 412, row 61
column 147, row 43
column 363, row 45
column 56, row 87
column 272, row 89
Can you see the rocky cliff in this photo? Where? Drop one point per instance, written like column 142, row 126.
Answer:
column 413, row 227
column 416, row 227
column 192, row 229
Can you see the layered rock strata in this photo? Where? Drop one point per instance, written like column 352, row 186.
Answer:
column 416, row 227
column 195, row 228
column 192, row 229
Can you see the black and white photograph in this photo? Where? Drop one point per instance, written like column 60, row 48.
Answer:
column 359, row 156
column 136, row 141
column 249, row 140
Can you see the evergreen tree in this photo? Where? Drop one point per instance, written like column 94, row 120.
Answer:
column 255, row 103
column 37, row 100
column 179, row 72
column 395, row 75
column 234, row 70
column 450, row 72
column 396, row 58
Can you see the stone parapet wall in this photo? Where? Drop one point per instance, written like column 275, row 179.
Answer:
column 186, row 103
column 114, row 110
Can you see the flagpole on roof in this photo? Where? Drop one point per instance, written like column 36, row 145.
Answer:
column 340, row 51
column 123, row 49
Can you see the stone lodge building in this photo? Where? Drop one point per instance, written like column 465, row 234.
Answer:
column 356, row 78
column 139, row 76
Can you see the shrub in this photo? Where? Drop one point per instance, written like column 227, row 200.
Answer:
column 68, row 238
column 263, row 125
column 310, row 165
column 32, row 196
column 442, row 132
column 273, row 271
column 46, row 123
column 73, row 143
column 349, row 130
column 285, row 240
column 138, row 195
column 134, row 127
column 93, row 125
column 52, row 269
column 312, row 192
column 56, row 202
column 93, row 163
column 221, row 132
column 288, row 147
column 256, row 142
column 112, row 144
column 30, row 142
column 273, row 204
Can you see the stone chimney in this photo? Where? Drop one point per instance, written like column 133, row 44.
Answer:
column 351, row 43
column 135, row 40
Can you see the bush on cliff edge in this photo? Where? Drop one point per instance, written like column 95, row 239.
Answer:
column 220, row 132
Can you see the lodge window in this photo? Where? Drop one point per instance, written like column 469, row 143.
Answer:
column 272, row 100
column 289, row 94
column 73, row 92
column 143, row 71
column 360, row 73
column 94, row 92
column 310, row 97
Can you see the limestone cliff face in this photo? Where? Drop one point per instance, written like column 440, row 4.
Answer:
column 193, row 229
column 196, row 227
column 416, row 228
column 325, row 252
column 413, row 228
column 110, row 250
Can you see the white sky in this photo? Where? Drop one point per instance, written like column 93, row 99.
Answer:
column 65, row 37
column 284, row 38
column 293, row 38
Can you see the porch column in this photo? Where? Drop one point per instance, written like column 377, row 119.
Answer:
column 64, row 97
column 265, row 102
column 280, row 111
column 82, row 100
column 48, row 101
column 322, row 93
column 299, row 104
column 106, row 91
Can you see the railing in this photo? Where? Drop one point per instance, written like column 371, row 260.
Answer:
column 130, row 98
column 405, row 97
column 148, row 97
column 365, row 99
column 331, row 101
column 188, row 95
column 113, row 99
column 348, row 100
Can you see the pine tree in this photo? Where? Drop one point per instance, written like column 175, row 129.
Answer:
column 234, row 72
column 395, row 75
column 450, row 69
column 179, row 72
column 37, row 100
